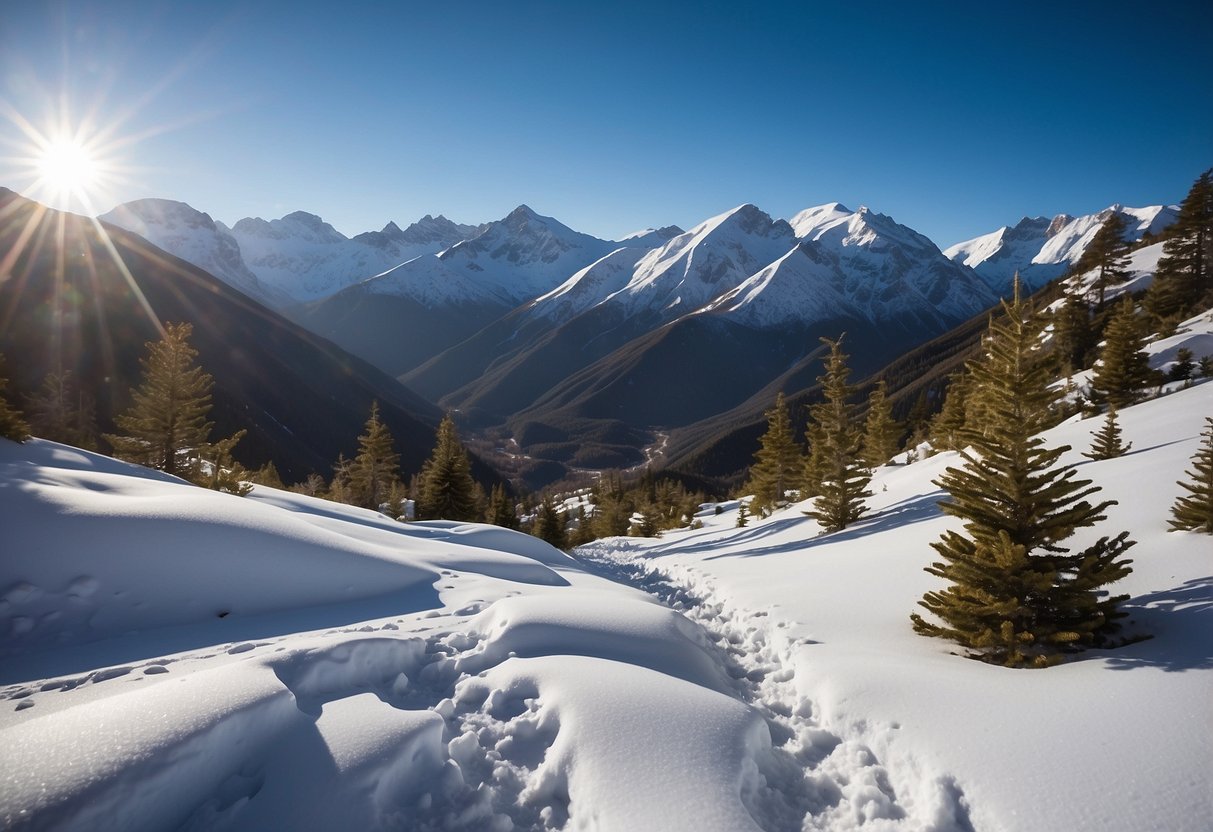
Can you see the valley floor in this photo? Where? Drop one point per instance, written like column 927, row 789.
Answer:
column 177, row 658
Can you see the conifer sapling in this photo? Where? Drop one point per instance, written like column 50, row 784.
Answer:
column 1194, row 512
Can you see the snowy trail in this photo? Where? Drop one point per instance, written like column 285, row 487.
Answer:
column 816, row 777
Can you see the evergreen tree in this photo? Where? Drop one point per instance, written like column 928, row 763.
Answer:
column 1182, row 281
column 268, row 476
column 844, row 486
column 1182, row 369
column 1195, row 512
column 1108, row 256
column 550, row 524
column 376, row 467
column 313, row 486
column 649, row 523
column 340, row 490
column 743, row 515
column 501, row 509
column 1123, row 369
column 814, row 472
column 225, row 473
column 62, row 413
column 584, row 533
column 950, row 420
column 1206, row 366
column 1073, row 335
column 447, row 489
column 777, row 463
column 12, row 426
column 166, row 426
column 881, row 432
column 1107, row 444
column 1015, row 597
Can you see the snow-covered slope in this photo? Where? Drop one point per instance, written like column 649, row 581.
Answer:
column 307, row 258
column 196, row 238
column 178, row 658
column 1041, row 249
column 1113, row 740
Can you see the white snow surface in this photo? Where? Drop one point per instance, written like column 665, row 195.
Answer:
column 178, row 658
column 1041, row 249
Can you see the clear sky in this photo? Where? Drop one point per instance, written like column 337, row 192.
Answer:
column 954, row 118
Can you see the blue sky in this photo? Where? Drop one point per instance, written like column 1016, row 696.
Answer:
column 954, row 118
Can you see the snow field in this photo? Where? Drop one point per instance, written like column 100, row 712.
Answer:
column 1110, row 740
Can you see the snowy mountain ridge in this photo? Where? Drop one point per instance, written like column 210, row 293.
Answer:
column 1041, row 249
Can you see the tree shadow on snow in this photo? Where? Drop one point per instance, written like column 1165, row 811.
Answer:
column 899, row 515
column 1180, row 620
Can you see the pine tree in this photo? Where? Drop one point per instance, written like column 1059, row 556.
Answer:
column 12, row 425
column 1108, row 256
column 844, row 486
column 1107, row 444
column 1123, row 369
column 225, row 473
column 1073, row 335
column 447, row 489
column 649, row 523
column 268, row 476
column 62, row 413
column 814, row 472
column 1182, row 369
column 584, row 533
column 340, row 490
column 777, row 463
column 501, row 509
column 166, row 425
column 743, row 515
column 1183, row 281
column 1015, row 597
column 950, row 420
column 376, row 467
column 1195, row 512
column 881, row 432
column 550, row 524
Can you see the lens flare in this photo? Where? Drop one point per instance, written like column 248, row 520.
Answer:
column 67, row 167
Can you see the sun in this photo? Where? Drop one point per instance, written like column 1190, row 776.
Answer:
column 67, row 167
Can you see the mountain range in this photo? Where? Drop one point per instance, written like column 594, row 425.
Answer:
column 581, row 350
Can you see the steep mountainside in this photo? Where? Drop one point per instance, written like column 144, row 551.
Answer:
column 1041, row 249
column 700, row 325
column 302, row 399
column 409, row 314
column 195, row 238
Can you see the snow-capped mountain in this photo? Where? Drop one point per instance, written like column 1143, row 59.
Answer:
column 510, row 261
column 305, row 257
column 196, row 238
column 856, row 263
column 1041, row 249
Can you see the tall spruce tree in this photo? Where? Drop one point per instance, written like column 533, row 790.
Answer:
column 881, row 431
column 1014, row 596
column 448, row 491
column 501, row 509
column 777, row 463
column 1123, row 370
column 376, row 467
column 844, row 485
column 550, row 524
column 1183, row 281
column 1195, row 511
column 12, row 425
column 166, row 426
column 1073, row 335
column 1108, row 256
column 1107, row 444
column 950, row 420
column 61, row 412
